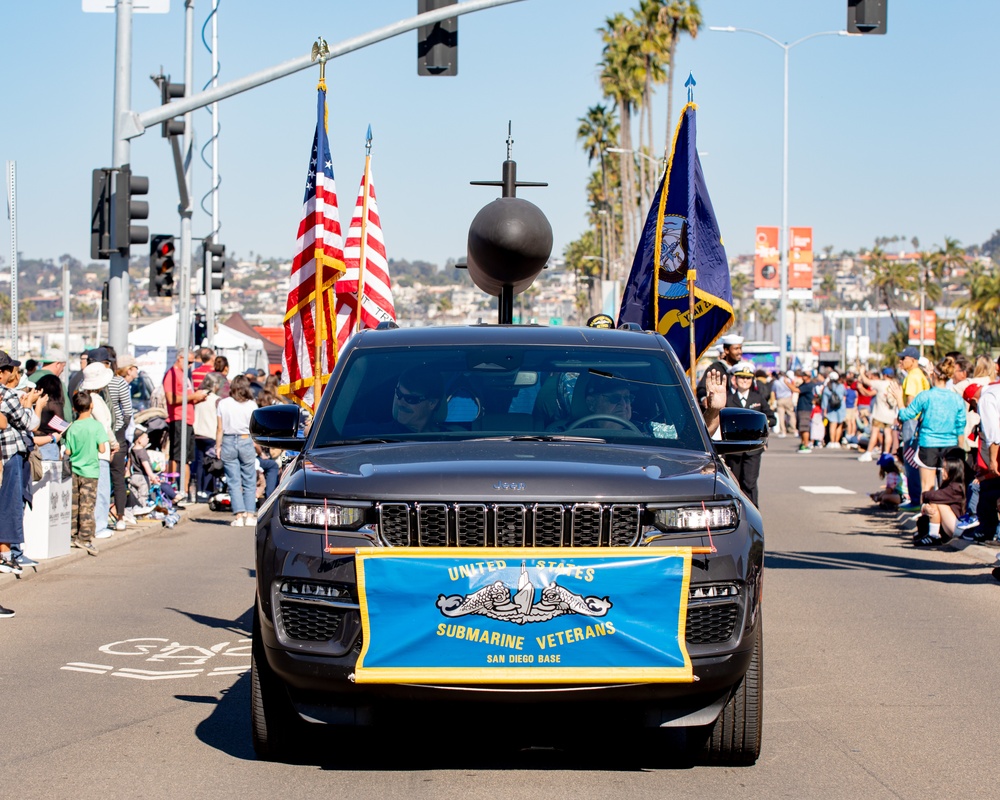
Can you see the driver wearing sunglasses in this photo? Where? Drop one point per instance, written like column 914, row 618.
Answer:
column 609, row 399
column 415, row 400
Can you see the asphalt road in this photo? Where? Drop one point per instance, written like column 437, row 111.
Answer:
column 125, row 676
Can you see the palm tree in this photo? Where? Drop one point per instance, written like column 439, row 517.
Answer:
column 795, row 307
column 891, row 277
column 621, row 81
column 680, row 16
column 767, row 316
column 949, row 258
column 741, row 282
column 981, row 310
column 654, row 49
column 828, row 285
column 598, row 131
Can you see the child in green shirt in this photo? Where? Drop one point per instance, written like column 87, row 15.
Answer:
column 84, row 439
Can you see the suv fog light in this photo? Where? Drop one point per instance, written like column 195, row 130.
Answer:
column 713, row 590
column 300, row 589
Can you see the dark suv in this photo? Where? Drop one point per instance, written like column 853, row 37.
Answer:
column 523, row 438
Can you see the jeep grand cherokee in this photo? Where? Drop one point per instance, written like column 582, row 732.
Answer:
column 517, row 437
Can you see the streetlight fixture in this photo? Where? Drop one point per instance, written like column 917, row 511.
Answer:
column 660, row 162
column 783, row 244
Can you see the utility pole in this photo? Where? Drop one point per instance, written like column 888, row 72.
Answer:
column 184, row 295
column 12, row 210
column 210, row 294
column 121, row 148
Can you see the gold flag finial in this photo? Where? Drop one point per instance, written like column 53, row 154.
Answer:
column 321, row 52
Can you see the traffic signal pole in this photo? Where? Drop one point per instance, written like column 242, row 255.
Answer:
column 128, row 124
column 118, row 279
column 186, row 211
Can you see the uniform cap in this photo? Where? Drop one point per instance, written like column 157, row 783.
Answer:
column 731, row 339
column 600, row 321
column 743, row 368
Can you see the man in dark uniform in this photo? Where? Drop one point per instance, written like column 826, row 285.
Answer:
column 732, row 354
column 745, row 394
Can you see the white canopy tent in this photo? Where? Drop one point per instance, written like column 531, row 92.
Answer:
column 155, row 348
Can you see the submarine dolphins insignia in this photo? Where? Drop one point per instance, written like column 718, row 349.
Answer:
column 496, row 601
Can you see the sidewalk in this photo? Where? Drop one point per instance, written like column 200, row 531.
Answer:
column 144, row 527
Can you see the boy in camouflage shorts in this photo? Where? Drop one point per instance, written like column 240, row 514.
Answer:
column 84, row 440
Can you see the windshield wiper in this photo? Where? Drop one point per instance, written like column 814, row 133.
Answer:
column 552, row 437
column 347, row 442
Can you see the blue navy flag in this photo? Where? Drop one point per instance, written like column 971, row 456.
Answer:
column 681, row 234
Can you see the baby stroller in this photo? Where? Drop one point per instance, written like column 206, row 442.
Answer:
column 164, row 508
column 219, row 499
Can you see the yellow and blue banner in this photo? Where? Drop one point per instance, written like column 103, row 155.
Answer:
column 681, row 234
column 501, row 615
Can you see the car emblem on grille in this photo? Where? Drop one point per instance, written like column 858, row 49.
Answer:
column 510, row 486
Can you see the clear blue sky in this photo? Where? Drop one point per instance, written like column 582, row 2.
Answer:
column 889, row 135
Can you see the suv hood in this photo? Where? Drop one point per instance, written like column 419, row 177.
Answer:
column 507, row 471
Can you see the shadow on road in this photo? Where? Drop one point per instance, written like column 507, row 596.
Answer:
column 448, row 743
column 227, row 728
column 897, row 566
column 241, row 625
column 453, row 741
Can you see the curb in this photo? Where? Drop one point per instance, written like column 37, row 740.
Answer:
column 985, row 553
column 144, row 528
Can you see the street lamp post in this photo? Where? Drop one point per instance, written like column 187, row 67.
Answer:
column 783, row 244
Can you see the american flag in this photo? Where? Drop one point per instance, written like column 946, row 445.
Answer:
column 376, row 288
column 319, row 243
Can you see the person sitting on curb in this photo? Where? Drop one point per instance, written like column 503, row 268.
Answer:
column 942, row 507
column 890, row 496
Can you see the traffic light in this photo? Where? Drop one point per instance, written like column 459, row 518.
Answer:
column 215, row 263
column 437, row 44
column 161, row 266
column 126, row 209
column 100, row 214
column 168, row 91
column 867, row 16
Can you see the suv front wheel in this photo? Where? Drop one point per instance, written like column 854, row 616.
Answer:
column 734, row 739
column 274, row 723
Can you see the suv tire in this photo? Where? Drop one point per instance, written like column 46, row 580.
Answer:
column 734, row 739
column 274, row 723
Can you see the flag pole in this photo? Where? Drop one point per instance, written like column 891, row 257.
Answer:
column 690, row 83
column 320, row 52
column 364, row 225
column 692, row 274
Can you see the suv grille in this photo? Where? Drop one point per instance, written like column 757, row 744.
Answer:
column 711, row 623
column 509, row 525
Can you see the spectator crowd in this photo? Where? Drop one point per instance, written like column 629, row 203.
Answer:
column 190, row 445
column 932, row 429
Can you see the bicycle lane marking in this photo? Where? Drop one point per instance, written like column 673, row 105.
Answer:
column 158, row 650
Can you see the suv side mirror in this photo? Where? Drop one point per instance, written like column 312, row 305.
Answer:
column 743, row 431
column 277, row 426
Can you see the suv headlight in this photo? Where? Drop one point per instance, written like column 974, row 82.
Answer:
column 717, row 517
column 310, row 514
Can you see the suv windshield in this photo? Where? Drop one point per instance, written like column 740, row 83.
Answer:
column 625, row 395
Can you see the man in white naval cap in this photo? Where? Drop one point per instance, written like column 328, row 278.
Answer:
column 745, row 394
column 732, row 354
